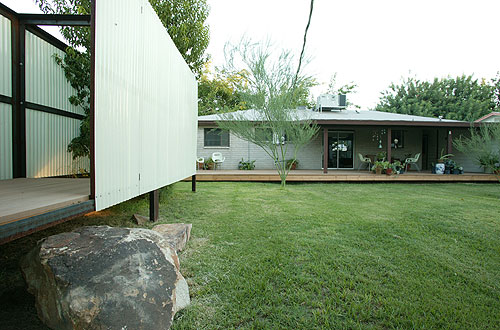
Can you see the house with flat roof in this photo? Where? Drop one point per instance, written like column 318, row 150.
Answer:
column 344, row 137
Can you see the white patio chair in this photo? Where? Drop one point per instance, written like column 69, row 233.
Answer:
column 200, row 161
column 414, row 161
column 218, row 159
column 364, row 160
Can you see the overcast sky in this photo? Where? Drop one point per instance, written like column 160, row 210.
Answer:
column 372, row 43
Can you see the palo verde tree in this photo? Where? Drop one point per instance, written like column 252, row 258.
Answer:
column 183, row 19
column 273, row 90
column 460, row 98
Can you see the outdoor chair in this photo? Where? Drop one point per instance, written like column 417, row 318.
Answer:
column 414, row 161
column 218, row 159
column 364, row 160
column 200, row 161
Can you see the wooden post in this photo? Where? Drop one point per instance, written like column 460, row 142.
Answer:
column 193, row 183
column 389, row 143
column 154, row 205
column 450, row 142
column 325, row 150
column 18, row 44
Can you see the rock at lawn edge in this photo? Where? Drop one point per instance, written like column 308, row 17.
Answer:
column 177, row 234
column 105, row 278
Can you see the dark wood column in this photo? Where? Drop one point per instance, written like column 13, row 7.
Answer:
column 325, row 150
column 154, row 205
column 450, row 142
column 18, row 43
column 389, row 143
column 193, row 182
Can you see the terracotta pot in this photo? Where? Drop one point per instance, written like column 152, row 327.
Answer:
column 378, row 170
column 388, row 171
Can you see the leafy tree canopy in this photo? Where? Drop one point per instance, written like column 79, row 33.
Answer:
column 219, row 92
column 349, row 88
column 460, row 98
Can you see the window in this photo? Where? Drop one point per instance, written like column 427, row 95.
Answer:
column 215, row 137
column 398, row 139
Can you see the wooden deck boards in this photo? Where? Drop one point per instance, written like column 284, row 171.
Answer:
column 338, row 176
column 23, row 198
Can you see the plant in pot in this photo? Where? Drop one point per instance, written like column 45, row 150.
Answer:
column 377, row 167
column 389, row 168
column 381, row 156
column 440, row 166
column 292, row 164
column 449, row 166
column 397, row 167
column 246, row 165
column 209, row 164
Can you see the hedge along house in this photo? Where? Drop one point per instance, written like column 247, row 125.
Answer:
column 142, row 115
column 343, row 135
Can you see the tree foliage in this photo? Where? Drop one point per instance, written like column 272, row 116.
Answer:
column 273, row 91
column 346, row 89
column 460, row 98
column 219, row 92
column 183, row 19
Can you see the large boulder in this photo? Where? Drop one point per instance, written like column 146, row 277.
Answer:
column 106, row 278
column 177, row 234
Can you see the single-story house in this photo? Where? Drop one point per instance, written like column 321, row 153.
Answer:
column 344, row 135
column 492, row 117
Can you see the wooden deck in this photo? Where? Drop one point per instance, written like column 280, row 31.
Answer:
column 338, row 176
column 26, row 204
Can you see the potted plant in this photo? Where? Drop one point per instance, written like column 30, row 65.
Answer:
column 440, row 166
column 381, row 156
column 246, row 165
column 292, row 164
column 397, row 167
column 449, row 166
column 209, row 164
column 378, row 166
column 389, row 169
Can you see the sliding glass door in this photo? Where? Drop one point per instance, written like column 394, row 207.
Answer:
column 341, row 150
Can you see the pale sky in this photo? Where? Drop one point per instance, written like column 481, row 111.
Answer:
column 372, row 43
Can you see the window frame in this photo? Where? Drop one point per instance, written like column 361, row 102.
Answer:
column 221, row 139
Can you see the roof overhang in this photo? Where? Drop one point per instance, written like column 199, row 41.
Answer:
column 374, row 123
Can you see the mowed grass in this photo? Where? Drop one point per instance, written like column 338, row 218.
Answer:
column 320, row 256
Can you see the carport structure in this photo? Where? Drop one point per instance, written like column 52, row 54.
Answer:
column 143, row 112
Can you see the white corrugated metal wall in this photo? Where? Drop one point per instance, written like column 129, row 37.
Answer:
column 145, row 104
column 48, row 135
column 5, row 109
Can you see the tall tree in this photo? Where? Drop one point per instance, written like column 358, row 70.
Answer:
column 273, row 91
column 219, row 92
column 349, row 88
column 183, row 19
column 460, row 98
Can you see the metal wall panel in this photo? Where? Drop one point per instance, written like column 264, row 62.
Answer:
column 45, row 80
column 5, row 141
column 5, row 57
column 145, row 104
column 47, row 139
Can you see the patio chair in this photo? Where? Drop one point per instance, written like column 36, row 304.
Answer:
column 218, row 159
column 364, row 160
column 414, row 161
column 200, row 161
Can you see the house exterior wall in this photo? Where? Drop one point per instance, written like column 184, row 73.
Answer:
column 5, row 108
column 311, row 155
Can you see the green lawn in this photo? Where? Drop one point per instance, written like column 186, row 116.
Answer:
column 318, row 256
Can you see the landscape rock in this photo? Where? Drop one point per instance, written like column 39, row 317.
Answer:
column 105, row 278
column 177, row 234
column 140, row 219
